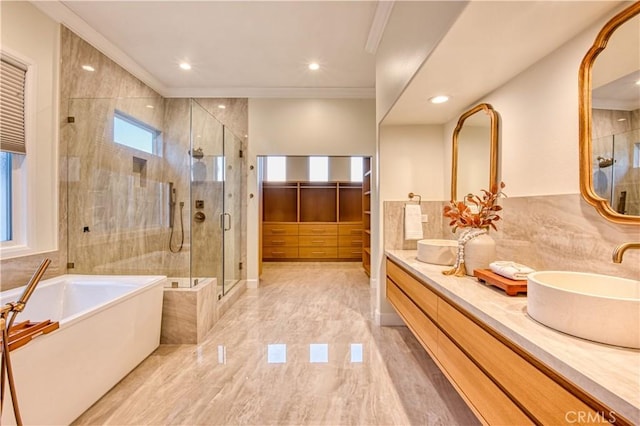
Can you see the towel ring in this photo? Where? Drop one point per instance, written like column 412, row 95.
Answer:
column 412, row 196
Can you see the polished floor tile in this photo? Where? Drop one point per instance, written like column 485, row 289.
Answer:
column 300, row 350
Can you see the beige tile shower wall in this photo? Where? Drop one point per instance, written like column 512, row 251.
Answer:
column 118, row 196
column 554, row 232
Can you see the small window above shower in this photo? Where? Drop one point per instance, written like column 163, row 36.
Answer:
column 135, row 134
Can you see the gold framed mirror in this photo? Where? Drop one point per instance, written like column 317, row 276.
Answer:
column 609, row 113
column 474, row 164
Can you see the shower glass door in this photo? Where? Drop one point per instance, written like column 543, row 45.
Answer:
column 232, row 222
column 207, row 193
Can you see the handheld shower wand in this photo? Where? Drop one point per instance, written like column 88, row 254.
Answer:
column 172, row 212
column 5, row 363
column 172, row 204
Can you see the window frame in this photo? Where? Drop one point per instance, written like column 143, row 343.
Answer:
column 311, row 176
column 35, row 207
column 156, row 149
column 267, row 176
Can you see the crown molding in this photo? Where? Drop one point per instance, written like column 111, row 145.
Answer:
column 379, row 23
column 57, row 11
column 271, row 92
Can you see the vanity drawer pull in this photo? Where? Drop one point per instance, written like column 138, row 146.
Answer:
column 277, row 242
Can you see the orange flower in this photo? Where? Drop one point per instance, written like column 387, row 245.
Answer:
column 485, row 214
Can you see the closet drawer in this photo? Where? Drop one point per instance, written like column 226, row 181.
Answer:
column 349, row 241
column 350, row 252
column 279, row 252
column 352, row 229
column 279, row 240
column 545, row 399
column 279, row 229
column 418, row 292
column 318, row 229
column 318, row 252
column 318, row 241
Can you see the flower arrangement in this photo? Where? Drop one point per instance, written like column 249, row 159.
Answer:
column 482, row 215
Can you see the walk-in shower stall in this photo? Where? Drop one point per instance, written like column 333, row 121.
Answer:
column 616, row 159
column 154, row 186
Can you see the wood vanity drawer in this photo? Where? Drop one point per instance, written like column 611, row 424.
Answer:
column 318, row 229
column 485, row 397
column 318, row 241
column 349, row 229
column 279, row 252
column 350, row 252
column 280, row 240
column 349, row 241
column 421, row 295
column 538, row 394
column 318, row 252
column 279, row 229
column 423, row 328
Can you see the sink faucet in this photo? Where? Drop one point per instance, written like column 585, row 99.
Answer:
column 618, row 252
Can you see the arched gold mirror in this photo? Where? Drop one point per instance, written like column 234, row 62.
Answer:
column 610, row 119
column 475, row 152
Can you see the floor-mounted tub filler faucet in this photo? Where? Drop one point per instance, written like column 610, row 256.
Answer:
column 618, row 252
column 15, row 308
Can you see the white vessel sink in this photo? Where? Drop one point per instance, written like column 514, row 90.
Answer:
column 438, row 252
column 597, row 307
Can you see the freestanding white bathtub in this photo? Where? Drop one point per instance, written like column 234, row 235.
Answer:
column 108, row 325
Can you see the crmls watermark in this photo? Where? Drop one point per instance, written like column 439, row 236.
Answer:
column 590, row 417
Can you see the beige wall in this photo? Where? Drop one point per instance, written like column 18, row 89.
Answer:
column 334, row 127
column 33, row 38
column 312, row 126
column 411, row 161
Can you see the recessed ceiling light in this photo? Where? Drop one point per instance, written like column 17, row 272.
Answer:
column 88, row 68
column 185, row 66
column 221, row 106
column 150, row 106
column 439, row 99
column 622, row 119
column 638, row 82
column 314, row 66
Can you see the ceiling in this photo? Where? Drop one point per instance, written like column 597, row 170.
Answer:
column 238, row 48
column 262, row 48
column 490, row 43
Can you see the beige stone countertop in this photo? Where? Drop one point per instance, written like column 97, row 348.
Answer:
column 609, row 373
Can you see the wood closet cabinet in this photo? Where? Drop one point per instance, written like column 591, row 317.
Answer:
column 312, row 221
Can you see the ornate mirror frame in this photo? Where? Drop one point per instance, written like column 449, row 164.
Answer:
column 493, row 160
column 585, row 85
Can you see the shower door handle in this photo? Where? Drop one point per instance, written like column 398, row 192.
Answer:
column 224, row 225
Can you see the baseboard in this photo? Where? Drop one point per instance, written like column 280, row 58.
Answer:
column 253, row 283
column 390, row 319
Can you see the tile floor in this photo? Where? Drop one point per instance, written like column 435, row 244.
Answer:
column 300, row 350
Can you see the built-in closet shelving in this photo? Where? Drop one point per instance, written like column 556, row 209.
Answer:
column 312, row 221
column 366, row 215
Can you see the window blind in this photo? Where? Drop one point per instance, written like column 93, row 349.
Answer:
column 12, row 86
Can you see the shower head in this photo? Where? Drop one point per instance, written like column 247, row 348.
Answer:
column 197, row 153
column 604, row 162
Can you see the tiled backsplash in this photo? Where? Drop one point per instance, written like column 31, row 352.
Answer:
column 550, row 232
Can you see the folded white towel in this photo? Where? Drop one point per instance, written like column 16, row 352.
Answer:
column 511, row 270
column 412, row 222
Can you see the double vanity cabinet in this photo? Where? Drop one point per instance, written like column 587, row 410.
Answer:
column 504, row 375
